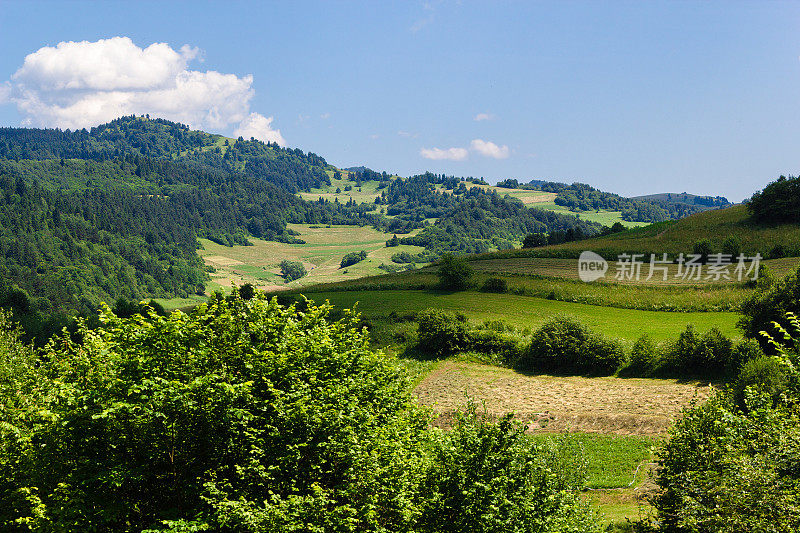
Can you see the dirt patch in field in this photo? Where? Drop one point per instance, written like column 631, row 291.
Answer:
column 538, row 199
column 221, row 260
column 631, row 406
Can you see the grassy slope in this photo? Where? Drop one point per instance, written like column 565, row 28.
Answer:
column 680, row 236
column 321, row 255
column 528, row 312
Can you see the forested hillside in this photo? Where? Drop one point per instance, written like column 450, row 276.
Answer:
column 77, row 231
column 115, row 212
column 653, row 208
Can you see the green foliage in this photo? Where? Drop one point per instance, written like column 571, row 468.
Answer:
column 250, row 416
column 732, row 246
column 702, row 248
column 504, row 346
column 243, row 416
column 645, row 357
column 726, row 470
column 563, row 344
column 454, row 272
column 442, row 333
column 535, row 240
column 731, row 463
column 292, row 270
column 708, row 355
column 498, row 285
column 777, row 202
column 743, row 351
column 352, row 258
column 765, row 374
column 486, row 477
column 769, row 303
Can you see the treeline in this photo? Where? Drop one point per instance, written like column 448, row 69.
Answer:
column 778, row 202
column 469, row 220
column 291, row 169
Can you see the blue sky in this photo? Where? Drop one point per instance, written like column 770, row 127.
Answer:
column 631, row 97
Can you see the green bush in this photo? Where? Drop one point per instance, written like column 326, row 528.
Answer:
column 242, row 416
column 507, row 346
column 442, row 333
column 489, row 478
column 495, row 285
column 769, row 303
column 732, row 246
column 728, row 471
column 352, row 258
column 563, row 344
column 454, row 272
column 709, row 355
column 292, row 270
column 743, row 351
column 766, row 374
column 645, row 357
column 713, row 354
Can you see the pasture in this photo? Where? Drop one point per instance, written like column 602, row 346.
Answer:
column 321, row 255
column 530, row 312
column 367, row 193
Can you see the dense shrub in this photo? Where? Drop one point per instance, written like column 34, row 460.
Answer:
column 733, row 463
column 506, row 346
column 442, row 333
column 709, row 355
column 292, row 270
column 454, row 272
column 703, row 249
column 490, row 478
column 243, row 416
column 766, row 374
column 564, row 345
column 727, row 470
column 535, row 240
column 498, row 285
column 352, row 258
column 769, row 303
column 743, row 351
column 247, row 416
column 645, row 357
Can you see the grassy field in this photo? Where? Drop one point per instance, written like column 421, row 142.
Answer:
column 321, row 255
column 529, row 312
column 606, row 218
column 680, row 236
column 369, row 191
column 614, row 423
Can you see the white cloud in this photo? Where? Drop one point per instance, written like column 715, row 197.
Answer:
column 5, row 92
column 325, row 116
column 407, row 134
column 420, row 23
column 489, row 149
column 82, row 84
column 453, row 154
column 484, row 116
column 260, row 127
